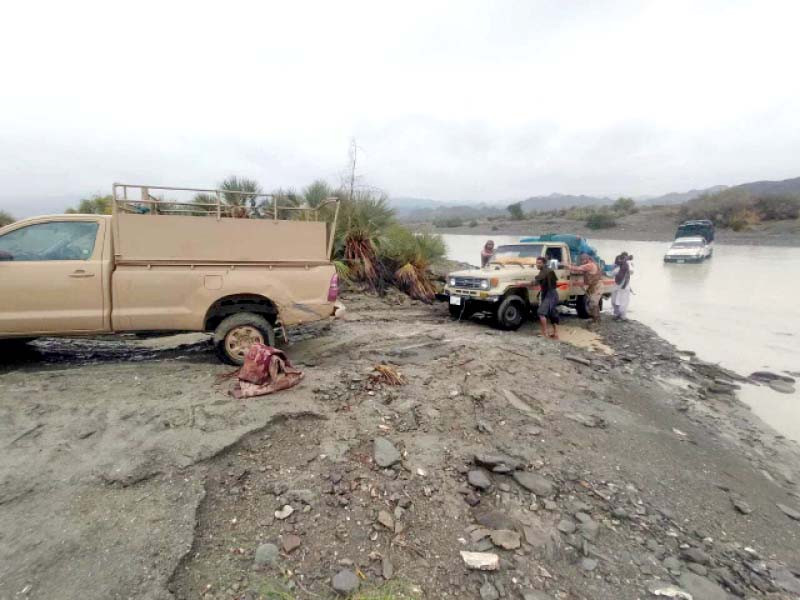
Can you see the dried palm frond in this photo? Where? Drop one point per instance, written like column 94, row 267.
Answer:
column 388, row 375
column 414, row 282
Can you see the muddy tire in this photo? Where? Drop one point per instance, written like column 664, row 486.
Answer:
column 235, row 334
column 455, row 311
column 511, row 313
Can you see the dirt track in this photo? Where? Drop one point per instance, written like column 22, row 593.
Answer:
column 127, row 471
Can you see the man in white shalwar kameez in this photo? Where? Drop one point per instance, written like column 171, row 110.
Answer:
column 621, row 296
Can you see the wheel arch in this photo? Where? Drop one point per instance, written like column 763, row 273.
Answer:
column 238, row 303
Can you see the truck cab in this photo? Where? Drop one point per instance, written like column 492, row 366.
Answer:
column 505, row 289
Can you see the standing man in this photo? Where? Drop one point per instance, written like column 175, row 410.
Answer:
column 591, row 282
column 548, row 297
column 622, row 290
column 487, row 253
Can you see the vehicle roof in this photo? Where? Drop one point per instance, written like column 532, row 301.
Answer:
column 698, row 222
column 694, row 238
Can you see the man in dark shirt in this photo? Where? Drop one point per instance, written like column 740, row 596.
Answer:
column 548, row 297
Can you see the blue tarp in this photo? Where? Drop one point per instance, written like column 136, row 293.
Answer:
column 576, row 244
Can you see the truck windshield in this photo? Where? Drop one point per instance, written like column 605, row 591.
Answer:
column 694, row 244
column 517, row 254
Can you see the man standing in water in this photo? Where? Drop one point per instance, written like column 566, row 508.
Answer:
column 487, row 253
column 548, row 297
column 591, row 281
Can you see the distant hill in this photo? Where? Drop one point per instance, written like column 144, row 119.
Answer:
column 556, row 201
column 681, row 197
column 789, row 187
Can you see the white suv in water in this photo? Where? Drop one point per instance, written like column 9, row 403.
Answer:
column 688, row 249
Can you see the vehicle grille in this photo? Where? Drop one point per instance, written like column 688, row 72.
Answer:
column 468, row 282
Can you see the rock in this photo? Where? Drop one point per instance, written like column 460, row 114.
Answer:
column 535, row 595
column 478, row 479
column 476, row 535
column 696, row 555
column 284, row 513
column 701, row 588
column 386, row 519
column 387, row 568
column 579, row 360
column 494, row 519
column 658, row 588
column 789, row 512
column 506, row 539
column 784, row 387
column 266, row 554
column 589, row 529
column 588, row 564
column 514, row 401
column 385, row 453
column 544, row 539
column 566, row 526
column 290, row 543
column 672, row 564
column 481, row 561
column 740, row 505
column 586, row 420
column 697, row 568
column 489, row 592
column 768, row 376
column 785, row 580
column 345, row 582
column 499, row 463
column 534, row 482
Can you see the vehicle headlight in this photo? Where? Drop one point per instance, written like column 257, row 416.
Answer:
column 484, row 284
column 452, row 281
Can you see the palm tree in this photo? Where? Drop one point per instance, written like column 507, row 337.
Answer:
column 237, row 204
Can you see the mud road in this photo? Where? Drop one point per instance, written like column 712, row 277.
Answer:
column 613, row 467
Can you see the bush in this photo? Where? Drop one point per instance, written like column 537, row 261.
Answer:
column 515, row 210
column 473, row 223
column 601, row 220
column 738, row 209
column 776, row 208
column 450, row 222
column 624, row 206
column 5, row 218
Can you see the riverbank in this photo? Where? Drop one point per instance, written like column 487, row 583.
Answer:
column 650, row 224
column 605, row 469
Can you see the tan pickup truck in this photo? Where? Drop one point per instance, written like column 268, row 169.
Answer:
column 153, row 266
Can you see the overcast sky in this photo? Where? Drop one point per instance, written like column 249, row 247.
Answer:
column 452, row 100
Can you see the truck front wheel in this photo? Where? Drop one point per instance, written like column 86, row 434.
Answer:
column 511, row 312
column 235, row 334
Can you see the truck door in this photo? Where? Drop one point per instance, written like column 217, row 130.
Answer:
column 560, row 254
column 51, row 277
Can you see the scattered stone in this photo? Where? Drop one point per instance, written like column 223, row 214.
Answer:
column 768, row 376
column 698, row 569
column 696, row 555
column 481, row 561
column 579, row 360
column 489, row 592
column 668, row 591
column 588, row 564
column 387, row 568
column 701, row 588
column 494, row 519
column 499, row 463
column 672, row 564
column 784, row 387
column 591, row 421
column 478, row 479
column 566, row 526
column 476, row 535
column 386, row 519
column 284, row 513
column 534, row 482
column 789, row 511
column 385, row 453
column 589, row 529
column 290, row 543
column 506, row 539
column 740, row 505
column 535, row 595
column 345, row 582
column 514, row 401
column 266, row 554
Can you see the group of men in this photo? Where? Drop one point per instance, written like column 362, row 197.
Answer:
column 547, row 281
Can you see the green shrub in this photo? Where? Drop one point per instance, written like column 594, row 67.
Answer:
column 624, row 206
column 515, row 210
column 776, row 208
column 601, row 220
column 473, row 223
column 5, row 218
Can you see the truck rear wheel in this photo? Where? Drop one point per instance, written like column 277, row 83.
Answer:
column 235, row 334
column 511, row 312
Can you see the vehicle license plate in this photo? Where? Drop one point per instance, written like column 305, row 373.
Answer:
column 456, row 300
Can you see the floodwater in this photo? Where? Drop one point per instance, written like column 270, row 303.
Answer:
column 741, row 309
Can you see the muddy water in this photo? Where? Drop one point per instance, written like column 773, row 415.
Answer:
column 741, row 308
